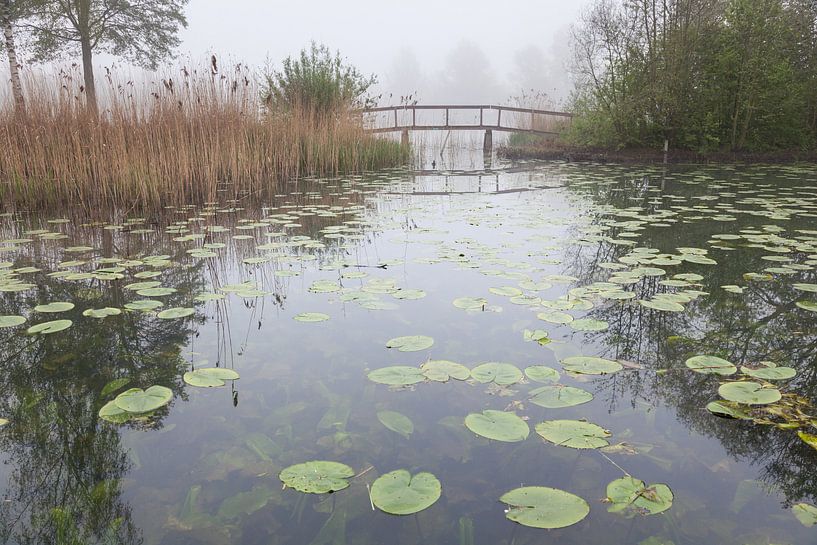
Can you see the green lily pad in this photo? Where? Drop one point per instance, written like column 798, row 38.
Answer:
column 590, row 365
column 749, row 393
column 544, row 507
column 176, row 312
column 812, row 288
column 770, row 373
column 542, row 373
column 137, row 400
column 630, row 495
column 11, row 321
column 442, row 370
column 396, row 422
column 498, row 425
column 401, row 493
column 3, row 422
column 470, row 303
column 55, row 307
column 101, row 312
column 397, row 375
column 317, row 477
column 500, row 373
column 711, row 365
column 810, row 306
column 46, row 328
column 805, row 513
column 210, row 377
column 555, row 317
column 727, row 409
column 662, row 305
column 144, row 305
column 111, row 413
column 156, row 292
column 573, row 433
column 557, row 396
column 411, row 343
column 311, row 317
column 589, row 324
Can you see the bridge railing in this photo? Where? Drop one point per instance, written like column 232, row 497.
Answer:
column 450, row 117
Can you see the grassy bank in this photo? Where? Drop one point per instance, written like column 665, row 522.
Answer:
column 193, row 136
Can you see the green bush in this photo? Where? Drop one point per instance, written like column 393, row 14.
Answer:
column 316, row 81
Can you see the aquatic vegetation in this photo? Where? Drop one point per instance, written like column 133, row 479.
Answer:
column 209, row 377
column 498, row 425
column 396, row 422
column 401, row 493
column 629, row 495
column 317, row 477
column 558, row 396
column 411, row 343
column 573, row 433
column 500, row 373
column 544, row 507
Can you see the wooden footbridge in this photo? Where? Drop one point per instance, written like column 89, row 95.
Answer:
column 459, row 117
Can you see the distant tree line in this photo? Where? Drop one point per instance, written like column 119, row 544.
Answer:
column 701, row 74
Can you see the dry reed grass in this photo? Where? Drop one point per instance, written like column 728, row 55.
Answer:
column 195, row 136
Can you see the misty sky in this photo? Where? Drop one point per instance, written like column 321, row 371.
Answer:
column 445, row 50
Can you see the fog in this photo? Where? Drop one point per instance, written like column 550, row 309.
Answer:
column 451, row 51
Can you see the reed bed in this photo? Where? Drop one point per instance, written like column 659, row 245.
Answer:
column 192, row 136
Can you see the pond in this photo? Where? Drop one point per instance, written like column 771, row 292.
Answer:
column 549, row 325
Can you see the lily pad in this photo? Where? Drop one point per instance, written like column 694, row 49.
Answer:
column 55, row 307
column 176, row 312
column 210, row 377
column 498, row 425
column 317, row 477
column 542, row 373
column 500, row 373
column 401, row 493
column 590, row 365
column 749, row 393
column 630, row 495
column 396, row 422
column 711, row 365
column 46, row 328
column 544, row 507
column 311, row 317
column 11, row 321
column 412, row 343
column 137, row 400
column 805, row 513
column 101, row 312
column 662, row 305
column 557, row 396
column 555, row 317
column 726, row 409
column 589, row 324
column 397, row 375
column 810, row 306
column 573, row 433
column 470, row 303
column 144, row 305
column 770, row 373
column 442, row 370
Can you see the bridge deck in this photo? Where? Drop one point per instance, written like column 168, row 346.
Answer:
column 404, row 118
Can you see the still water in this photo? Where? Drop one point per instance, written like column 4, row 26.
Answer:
column 300, row 295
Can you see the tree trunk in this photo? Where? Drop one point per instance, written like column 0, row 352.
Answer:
column 14, row 67
column 88, row 75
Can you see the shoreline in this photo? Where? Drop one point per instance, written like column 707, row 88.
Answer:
column 651, row 156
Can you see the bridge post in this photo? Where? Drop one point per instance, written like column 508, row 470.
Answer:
column 404, row 137
column 488, row 142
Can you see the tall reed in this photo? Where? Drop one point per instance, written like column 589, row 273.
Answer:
column 197, row 135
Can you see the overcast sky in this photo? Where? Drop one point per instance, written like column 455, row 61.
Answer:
column 442, row 49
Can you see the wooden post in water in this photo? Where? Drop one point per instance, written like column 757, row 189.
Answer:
column 488, row 142
column 404, row 138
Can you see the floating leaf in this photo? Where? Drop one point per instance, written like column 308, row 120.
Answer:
column 396, row 422
column 177, row 312
column 590, row 365
column 442, row 370
column 544, row 507
column 136, row 400
column 749, row 393
column 810, row 306
column 101, row 312
column 506, row 291
column 805, row 513
column 401, row 493
column 55, row 307
column 11, row 321
column 46, row 328
column 397, row 375
column 573, row 433
column 411, row 343
column 631, row 495
column 144, row 305
column 711, row 365
column 113, row 386
column 558, row 396
column 317, row 477
column 770, row 373
column 470, row 303
column 209, row 377
column 555, row 317
column 498, row 425
column 500, row 373
column 408, row 294
column 662, row 305
column 727, row 410
column 542, row 373
column 311, row 317
column 807, row 438
column 111, row 413
column 588, row 324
